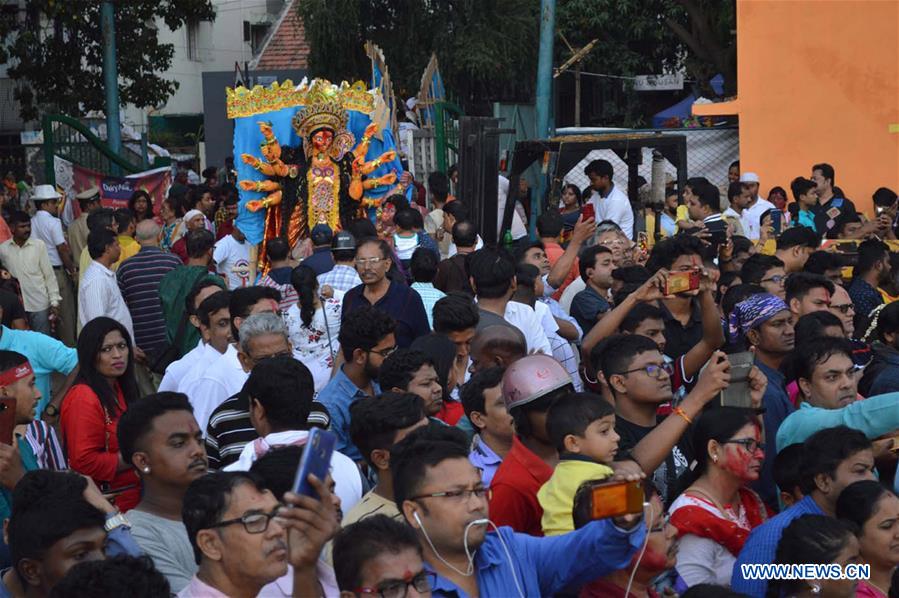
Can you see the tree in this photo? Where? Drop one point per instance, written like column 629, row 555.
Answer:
column 57, row 53
column 486, row 48
column 639, row 37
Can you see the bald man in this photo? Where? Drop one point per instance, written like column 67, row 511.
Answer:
column 139, row 278
column 497, row 346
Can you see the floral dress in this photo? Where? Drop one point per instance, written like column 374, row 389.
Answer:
column 170, row 233
column 316, row 345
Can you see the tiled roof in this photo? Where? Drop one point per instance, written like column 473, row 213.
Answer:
column 286, row 46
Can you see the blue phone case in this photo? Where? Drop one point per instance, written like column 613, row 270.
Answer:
column 316, row 460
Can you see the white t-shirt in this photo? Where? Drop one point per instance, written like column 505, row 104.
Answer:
column 525, row 319
column 615, row 207
column 223, row 378
column 232, row 259
column 48, row 228
column 206, row 356
column 178, row 369
column 750, row 218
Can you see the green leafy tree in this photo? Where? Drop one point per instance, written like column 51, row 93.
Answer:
column 56, row 54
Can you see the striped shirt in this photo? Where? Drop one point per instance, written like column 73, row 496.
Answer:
column 279, row 278
column 429, row 296
column 99, row 295
column 229, row 429
column 340, row 277
column 139, row 278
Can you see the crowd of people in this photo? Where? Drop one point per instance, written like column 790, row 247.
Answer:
column 732, row 361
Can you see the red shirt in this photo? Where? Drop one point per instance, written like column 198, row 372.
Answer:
column 92, row 445
column 553, row 252
column 515, row 487
column 179, row 248
column 450, row 413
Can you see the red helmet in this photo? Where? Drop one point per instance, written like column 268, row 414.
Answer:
column 532, row 377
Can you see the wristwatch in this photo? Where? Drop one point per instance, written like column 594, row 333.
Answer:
column 116, row 520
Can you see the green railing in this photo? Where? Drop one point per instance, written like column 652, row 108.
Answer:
column 71, row 139
column 447, row 116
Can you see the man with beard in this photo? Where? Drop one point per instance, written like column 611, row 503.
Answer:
column 441, row 495
column 828, row 380
column 366, row 339
column 766, row 323
column 159, row 436
column 871, row 271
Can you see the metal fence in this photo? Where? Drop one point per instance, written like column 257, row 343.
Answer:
column 710, row 152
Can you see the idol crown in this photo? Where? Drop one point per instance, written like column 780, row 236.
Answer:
column 323, row 110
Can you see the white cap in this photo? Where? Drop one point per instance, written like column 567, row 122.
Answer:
column 44, row 192
column 749, row 177
column 192, row 214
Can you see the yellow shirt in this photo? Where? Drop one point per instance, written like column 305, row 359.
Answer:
column 30, row 265
column 557, row 495
column 368, row 505
column 129, row 246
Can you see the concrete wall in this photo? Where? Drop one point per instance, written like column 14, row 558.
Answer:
column 818, row 82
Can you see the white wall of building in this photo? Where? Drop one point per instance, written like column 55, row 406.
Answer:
column 207, row 46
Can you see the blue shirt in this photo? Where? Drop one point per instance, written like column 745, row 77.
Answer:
column 337, row 395
column 484, row 459
column 545, row 566
column 320, row 261
column 777, row 407
column 586, row 307
column 874, row 417
column 761, row 546
column 865, row 298
column 401, row 303
column 46, row 355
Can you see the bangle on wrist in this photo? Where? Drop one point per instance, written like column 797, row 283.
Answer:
column 680, row 411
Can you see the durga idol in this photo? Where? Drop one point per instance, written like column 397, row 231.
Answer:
column 321, row 182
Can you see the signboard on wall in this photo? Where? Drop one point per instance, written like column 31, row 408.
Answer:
column 659, row 82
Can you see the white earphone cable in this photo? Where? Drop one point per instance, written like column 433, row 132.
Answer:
column 630, row 581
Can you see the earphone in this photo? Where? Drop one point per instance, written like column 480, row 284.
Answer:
column 468, row 554
column 630, row 581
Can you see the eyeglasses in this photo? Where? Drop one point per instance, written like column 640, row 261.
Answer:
column 122, row 346
column 370, row 261
column 750, row 444
column 459, row 495
column 385, row 353
column 653, row 370
column 844, row 309
column 776, row 279
column 254, row 523
column 660, row 524
column 423, row 582
column 272, row 356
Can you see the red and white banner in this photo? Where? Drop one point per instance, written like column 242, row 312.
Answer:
column 114, row 191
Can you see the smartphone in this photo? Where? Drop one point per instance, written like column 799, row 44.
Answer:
column 681, row 282
column 316, row 460
column 614, row 499
column 588, row 212
column 777, row 221
column 717, row 232
column 737, row 392
column 7, row 420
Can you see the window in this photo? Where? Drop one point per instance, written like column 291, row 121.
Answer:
column 193, row 36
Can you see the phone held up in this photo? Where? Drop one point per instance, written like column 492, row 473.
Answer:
column 7, row 420
column 316, row 460
column 737, row 393
column 681, row 282
column 588, row 212
column 614, row 499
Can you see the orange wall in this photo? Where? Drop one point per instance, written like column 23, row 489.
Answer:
column 818, row 81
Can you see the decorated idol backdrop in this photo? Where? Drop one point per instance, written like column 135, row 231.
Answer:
column 295, row 152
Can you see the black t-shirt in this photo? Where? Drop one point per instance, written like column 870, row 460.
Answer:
column 12, row 308
column 829, row 218
column 663, row 478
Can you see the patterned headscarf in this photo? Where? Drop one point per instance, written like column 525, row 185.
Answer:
column 752, row 312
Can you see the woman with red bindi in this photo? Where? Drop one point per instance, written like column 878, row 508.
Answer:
column 716, row 512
